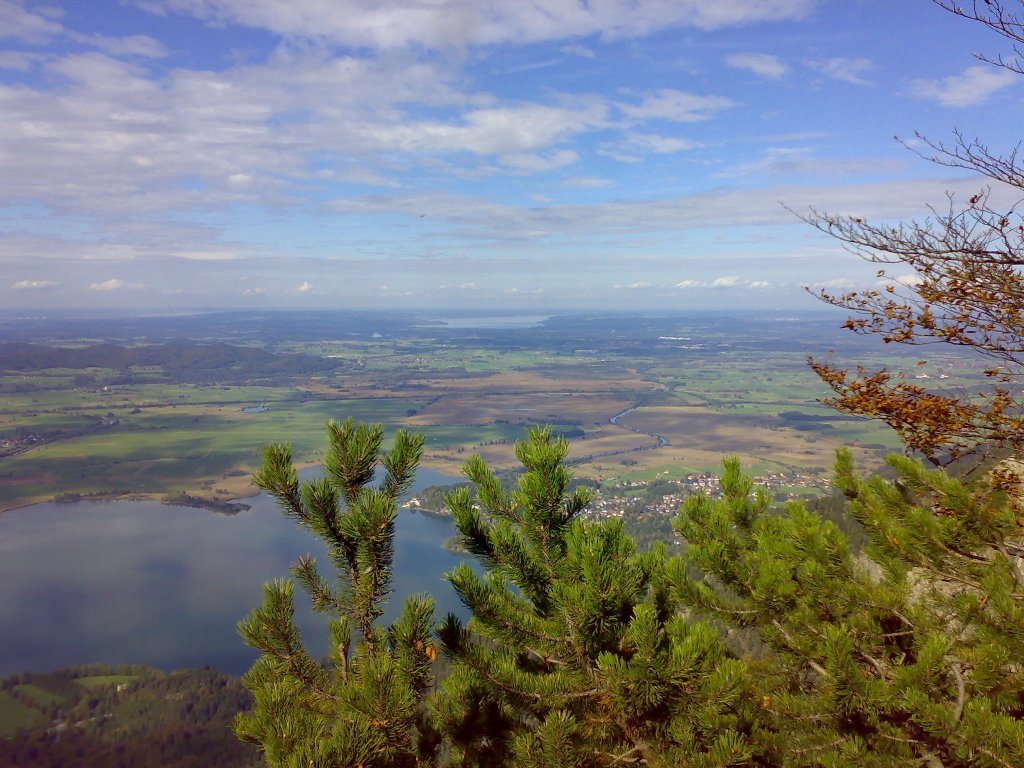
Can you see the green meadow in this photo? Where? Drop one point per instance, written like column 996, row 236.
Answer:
column 14, row 715
column 39, row 696
column 96, row 682
column 67, row 433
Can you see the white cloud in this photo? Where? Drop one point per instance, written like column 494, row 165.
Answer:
column 472, row 218
column 306, row 287
column 31, row 285
column 761, row 64
column 639, row 285
column 22, row 24
column 677, row 106
column 662, row 145
column 537, row 163
column 496, row 130
column 726, row 281
column 18, row 61
column 612, row 151
column 781, row 161
column 142, row 46
column 112, row 137
column 254, row 291
column 366, row 176
column 975, row 85
column 455, row 23
column 197, row 255
column 578, row 50
column 847, row 70
column 114, row 284
column 841, row 283
column 588, row 182
column 910, row 280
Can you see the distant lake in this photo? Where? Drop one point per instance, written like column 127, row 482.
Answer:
column 489, row 321
column 140, row 582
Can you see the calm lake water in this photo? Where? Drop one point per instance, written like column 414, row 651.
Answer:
column 140, row 582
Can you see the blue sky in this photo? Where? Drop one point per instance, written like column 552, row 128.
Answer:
column 507, row 154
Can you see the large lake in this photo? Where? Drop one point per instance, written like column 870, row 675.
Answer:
column 140, row 582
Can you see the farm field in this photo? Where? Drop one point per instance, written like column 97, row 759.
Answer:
column 636, row 396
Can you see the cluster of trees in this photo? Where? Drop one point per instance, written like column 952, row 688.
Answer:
column 768, row 642
column 97, row 716
column 771, row 640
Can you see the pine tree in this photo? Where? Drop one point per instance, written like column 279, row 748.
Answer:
column 575, row 655
column 364, row 707
column 789, row 650
column 910, row 656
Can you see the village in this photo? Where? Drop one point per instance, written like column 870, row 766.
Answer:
column 12, row 445
column 642, row 499
column 638, row 499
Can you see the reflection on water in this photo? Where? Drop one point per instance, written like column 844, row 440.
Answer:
column 139, row 582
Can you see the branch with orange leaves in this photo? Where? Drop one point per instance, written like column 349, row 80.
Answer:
column 965, row 285
column 941, row 427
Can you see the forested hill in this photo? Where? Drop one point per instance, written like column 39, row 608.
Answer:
column 171, row 362
column 122, row 717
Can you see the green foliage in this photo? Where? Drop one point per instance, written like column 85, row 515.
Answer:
column 908, row 656
column 772, row 641
column 364, row 707
column 574, row 654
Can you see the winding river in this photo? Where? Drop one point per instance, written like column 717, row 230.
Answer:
column 662, row 441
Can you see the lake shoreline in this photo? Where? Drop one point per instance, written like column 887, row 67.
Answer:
column 167, row 499
column 238, row 488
